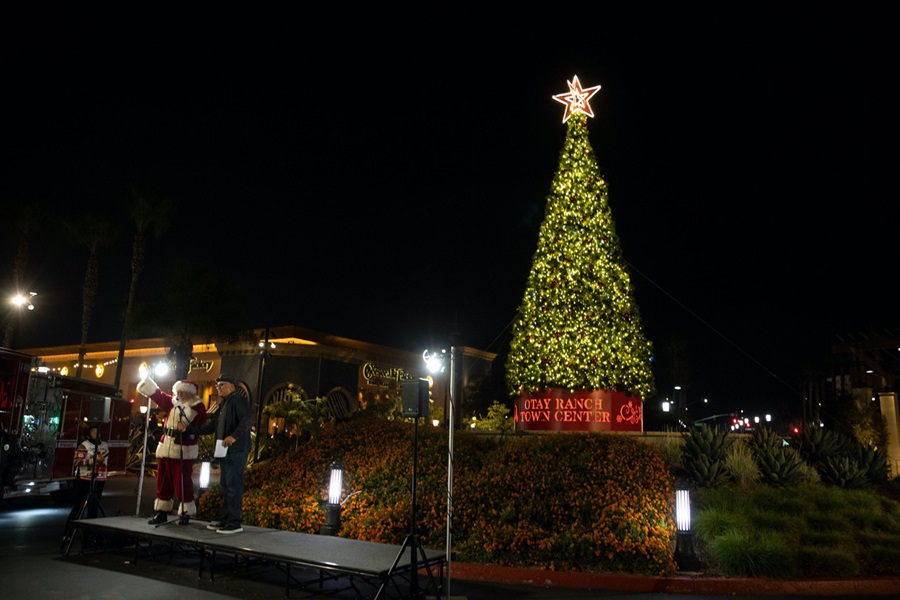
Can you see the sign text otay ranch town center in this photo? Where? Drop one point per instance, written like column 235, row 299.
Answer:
column 565, row 410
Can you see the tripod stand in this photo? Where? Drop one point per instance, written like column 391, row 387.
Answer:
column 412, row 540
column 91, row 506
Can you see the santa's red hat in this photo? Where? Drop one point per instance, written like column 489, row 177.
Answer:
column 185, row 386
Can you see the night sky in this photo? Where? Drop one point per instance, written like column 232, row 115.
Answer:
column 389, row 186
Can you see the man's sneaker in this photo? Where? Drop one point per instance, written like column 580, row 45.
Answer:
column 229, row 528
column 215, row 526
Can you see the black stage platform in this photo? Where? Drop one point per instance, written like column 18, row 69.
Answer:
column 383, row 568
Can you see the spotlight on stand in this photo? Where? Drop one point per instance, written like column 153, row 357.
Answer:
column 434, row 361
column 333, row 508
column 161, row 369
column 684, row 540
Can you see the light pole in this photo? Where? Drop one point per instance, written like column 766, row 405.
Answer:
column 160, row 369
column 264, row 347
column 678, row 407
column 435, row 362
column 143, row 372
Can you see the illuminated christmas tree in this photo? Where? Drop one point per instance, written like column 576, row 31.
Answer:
column 579, row 327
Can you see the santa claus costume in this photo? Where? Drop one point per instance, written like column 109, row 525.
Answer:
column 177, row 450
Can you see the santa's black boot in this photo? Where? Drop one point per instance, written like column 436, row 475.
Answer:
column 159, row 518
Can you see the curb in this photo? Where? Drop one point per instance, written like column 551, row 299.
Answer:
column 679, row 584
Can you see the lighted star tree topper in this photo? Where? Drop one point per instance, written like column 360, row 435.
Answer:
column 578, row 326
column 577, row 99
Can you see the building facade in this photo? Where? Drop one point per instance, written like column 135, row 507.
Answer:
column 286, row 362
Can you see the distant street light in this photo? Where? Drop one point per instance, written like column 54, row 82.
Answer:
column 19, row 300
column 23, row 300
column 678, row 406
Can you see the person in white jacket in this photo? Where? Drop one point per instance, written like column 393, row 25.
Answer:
column 89, row 467
column 177, row 450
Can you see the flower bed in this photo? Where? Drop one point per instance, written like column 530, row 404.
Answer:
column 586, row 502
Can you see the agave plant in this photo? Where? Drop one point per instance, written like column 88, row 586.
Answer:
column 704, row 455
column 873, row 459
column 780, row 467
column 844, row 472
column 816, row 444
column 764, row 440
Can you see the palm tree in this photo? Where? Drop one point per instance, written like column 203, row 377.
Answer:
column 198, row 305
column 30, row 219
column 152, row 215
column 94, row 233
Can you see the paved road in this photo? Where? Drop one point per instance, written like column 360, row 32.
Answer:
column 34, row 565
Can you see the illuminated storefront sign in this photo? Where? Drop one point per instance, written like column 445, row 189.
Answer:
column 200, row 365
column 563, row 410
column 382, row 376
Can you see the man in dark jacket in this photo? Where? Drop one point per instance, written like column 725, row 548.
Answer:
column 231, row 424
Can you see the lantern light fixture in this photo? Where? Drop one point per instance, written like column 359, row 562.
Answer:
column 204, row 474
column 333, row 508
column 684, row 541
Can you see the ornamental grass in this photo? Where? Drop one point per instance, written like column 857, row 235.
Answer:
column 806, row 531
column 586, row 502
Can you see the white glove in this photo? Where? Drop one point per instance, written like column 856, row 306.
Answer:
column 147, row 387
column 176, row 401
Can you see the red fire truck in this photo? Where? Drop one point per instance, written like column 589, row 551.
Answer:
column 42, row 419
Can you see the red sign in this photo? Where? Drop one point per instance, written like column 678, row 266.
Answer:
column 562, row 410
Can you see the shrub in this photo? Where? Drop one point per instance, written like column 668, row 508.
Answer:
column 764, row 441
column 569, row 502
column 834, row 560
column 874, row 460
column 210, row 504
column 740, row 464
column 844, row 471
column 740, row 530
column 671, row 450
column 779, row 465
column 754, row 554
column 714, row 522
column 497, row 419
column 880, row 553
column 591, row 502
column 816, row 444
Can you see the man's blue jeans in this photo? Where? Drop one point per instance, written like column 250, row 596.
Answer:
column 231, row 484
